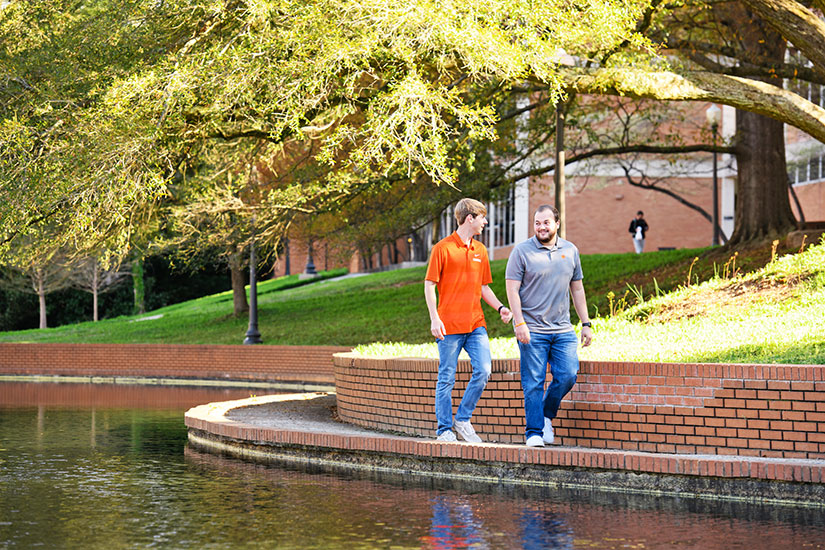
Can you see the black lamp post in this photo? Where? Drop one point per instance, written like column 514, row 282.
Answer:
column 714, row 117
column 286, row 256
column 558, row 173
column 562, row 58
column 252, row 334
column 310, row 267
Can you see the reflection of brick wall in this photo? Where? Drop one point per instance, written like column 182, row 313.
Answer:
column 748, row 410
column 312, row 364
column 111, row 396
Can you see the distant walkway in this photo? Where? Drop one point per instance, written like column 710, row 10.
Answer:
column 301, row 428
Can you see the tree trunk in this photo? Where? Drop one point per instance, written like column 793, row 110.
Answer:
column 137, row 281
column 763, row 207
column 240, row 305
column 41, row 298
column 95, row 285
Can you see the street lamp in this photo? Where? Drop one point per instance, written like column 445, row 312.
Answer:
column 714, row 117
column 252, row 334
column 558, row 173
column 286, row 256
column 310, row 267
column 563, row 59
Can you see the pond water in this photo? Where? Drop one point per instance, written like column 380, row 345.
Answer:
column 93, row 466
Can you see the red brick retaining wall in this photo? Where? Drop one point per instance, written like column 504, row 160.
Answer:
column 311, row 364
column 749, row 410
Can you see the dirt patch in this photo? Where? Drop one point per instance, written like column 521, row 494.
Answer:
column 736, row 295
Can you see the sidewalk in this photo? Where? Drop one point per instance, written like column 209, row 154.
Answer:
column 301, row 428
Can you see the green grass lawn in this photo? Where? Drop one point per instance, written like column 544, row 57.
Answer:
column 389, row 308
column 772, row 315
column 379, row 307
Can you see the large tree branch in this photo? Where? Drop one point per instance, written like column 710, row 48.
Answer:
column 621, row 150
column 749, row 95
column 797, row 24
column 768, row 69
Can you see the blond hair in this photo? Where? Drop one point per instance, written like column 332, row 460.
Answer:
column 467, row 207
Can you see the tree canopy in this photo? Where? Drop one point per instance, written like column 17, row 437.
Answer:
column 218, row 112
column 111, row 106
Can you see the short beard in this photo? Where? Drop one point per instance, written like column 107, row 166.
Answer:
column 548, row 240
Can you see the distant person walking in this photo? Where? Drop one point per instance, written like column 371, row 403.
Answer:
column 638, row 228
column 541, row 275
column 460, row 269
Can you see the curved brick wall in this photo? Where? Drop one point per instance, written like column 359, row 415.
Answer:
column 308, row 364
column 751, row 410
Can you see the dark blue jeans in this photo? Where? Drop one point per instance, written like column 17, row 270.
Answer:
column 561, row 351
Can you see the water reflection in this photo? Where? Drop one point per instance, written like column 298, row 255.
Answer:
column 454, row 525
column 105, row 476
column 541, row 529
column 112, row 396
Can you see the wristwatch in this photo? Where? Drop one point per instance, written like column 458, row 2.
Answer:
column 500, row 308
column 587, row 324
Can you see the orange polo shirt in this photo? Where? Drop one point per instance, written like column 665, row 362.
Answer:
column 459, row 272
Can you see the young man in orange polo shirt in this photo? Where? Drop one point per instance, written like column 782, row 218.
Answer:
column 460, row 269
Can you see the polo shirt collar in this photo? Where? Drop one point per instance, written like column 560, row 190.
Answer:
column 554, row 246
column 457, row 240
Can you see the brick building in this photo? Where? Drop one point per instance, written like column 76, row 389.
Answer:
column 600, row 203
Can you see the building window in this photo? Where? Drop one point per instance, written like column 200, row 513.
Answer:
column 501, row 214
column 501, row 218
column 815, row 93
column 807, row 171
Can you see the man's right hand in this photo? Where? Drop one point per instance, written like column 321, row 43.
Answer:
column 523, row 334
column 437, row 329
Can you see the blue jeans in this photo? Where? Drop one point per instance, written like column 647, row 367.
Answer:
column 560, row 350
column 477, row 345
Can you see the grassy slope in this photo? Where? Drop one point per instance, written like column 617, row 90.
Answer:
column 389, row 307
column 771, row 315
column 378, row 307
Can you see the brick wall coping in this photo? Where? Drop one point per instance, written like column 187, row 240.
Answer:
column 751, row 478
column 727, row 370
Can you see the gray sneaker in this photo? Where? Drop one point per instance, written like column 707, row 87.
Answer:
column 547, row 434
column 448, row 436
column 466, row 431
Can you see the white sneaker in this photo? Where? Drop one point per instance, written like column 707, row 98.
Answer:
column 535, row 441
column 466, row 431
column 448, row 436
column 547, row 434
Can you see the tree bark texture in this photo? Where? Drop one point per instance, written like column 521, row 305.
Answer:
column 239, row 303
column 799, row 25
column 763, row 207
column 95, row 287
column 41, row 299
column 138, row 286
column 743, row 93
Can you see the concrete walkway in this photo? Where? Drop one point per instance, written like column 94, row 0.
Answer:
column 302, row 428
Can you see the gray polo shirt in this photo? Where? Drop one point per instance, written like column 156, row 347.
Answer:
column 545, row 273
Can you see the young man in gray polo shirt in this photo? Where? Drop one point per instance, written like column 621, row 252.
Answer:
column 542, row 273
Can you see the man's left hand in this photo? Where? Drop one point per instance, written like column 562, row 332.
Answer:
column 506, row 315
column 587, row 336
